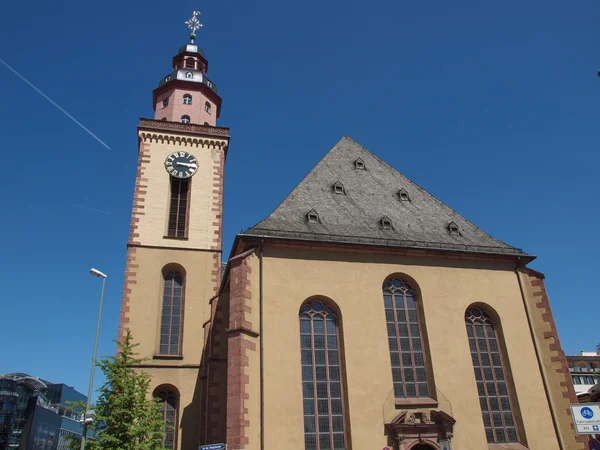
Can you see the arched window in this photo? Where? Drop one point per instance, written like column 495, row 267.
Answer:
column 172, row 309
column 322, row 388
column 169, row 402
column 405, row 339
column 187, row 99
column 207, row 107
column 496, row 409
column 185, row 119
column 189, row 63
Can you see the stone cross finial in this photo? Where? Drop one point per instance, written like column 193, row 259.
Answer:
column 194, row 24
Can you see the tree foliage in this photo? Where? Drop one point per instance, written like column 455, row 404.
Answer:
column 126, row 419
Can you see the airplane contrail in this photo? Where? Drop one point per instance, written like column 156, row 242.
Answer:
column 53, row 102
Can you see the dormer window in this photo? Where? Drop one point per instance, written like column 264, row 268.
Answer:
column 453, row 229
column 185, row 119
column 189, row 75
column 338, row 188
column 386, row 223
column 207, row 107
column 312, row 216
column 403, row 195
column 359, row 164
column 166, row 102
column 189, row 63
column 187, row 99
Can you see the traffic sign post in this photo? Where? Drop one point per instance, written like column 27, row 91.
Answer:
column 594, row 444
column 444, row 444
column 213, row 447
column 586, row 418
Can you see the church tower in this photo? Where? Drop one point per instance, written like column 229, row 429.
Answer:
column 174, row 247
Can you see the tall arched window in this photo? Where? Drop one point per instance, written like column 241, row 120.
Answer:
column 185, row 119
column 405, row 339
column 207, row 107
column 322, row 389
column 187, row 99
column 496, row 409
column 169, row 407
column 189, row 63
column 170, row 328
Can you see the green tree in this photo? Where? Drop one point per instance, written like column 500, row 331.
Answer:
column 126, row 419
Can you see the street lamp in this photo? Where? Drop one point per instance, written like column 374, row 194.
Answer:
column 97, row 274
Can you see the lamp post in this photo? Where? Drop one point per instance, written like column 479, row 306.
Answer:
column 97, row 274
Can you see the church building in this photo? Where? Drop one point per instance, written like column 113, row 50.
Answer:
column 362, row 313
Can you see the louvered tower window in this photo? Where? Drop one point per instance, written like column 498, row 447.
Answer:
column 172, row 309
column 322, row 388
column 496, row 409
column 178, row 208
column 405, row 339
column 169, row 410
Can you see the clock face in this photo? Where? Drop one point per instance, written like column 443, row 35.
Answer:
column 181, row 164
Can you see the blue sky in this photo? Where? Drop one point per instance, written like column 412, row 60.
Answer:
column 491, row 107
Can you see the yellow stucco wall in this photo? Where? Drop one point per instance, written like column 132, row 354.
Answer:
column 153, row 226
column 145, row 301
column 354, row 283
column 199, row 256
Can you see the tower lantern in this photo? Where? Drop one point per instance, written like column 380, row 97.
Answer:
column 187, row 95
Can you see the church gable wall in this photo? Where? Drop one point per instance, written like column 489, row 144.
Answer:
column 354, row 282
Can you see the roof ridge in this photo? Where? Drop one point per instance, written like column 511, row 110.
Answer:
column 300, row 182
column 427, row 192
column 422, row 222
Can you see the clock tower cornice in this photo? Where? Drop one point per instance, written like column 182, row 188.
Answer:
column 183, row 134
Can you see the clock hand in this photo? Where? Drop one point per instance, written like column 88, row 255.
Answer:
column 194, row 166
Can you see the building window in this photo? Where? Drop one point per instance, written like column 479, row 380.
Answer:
column 403, row 195
column 453, row 229
column 187, row 99
column 207, row 107
column 185, row 119
column 189, row 75
column 166, row 102
column 312, row 216
column 359, row 164
column 386, row 223
column 409, row 373
column 338, row 188
column 170, row 325
column 190, row 63
column 169, row 409
column 492, row 388
column 322, row 387
column 178, row 208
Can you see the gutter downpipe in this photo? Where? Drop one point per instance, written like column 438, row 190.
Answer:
column 537, row 354
column 262, row 383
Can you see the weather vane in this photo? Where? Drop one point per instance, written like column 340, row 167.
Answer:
column 194, row 24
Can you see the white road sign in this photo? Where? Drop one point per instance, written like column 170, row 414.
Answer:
column 586, row 418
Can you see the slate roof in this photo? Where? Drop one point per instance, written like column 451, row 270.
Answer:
column 370, row 195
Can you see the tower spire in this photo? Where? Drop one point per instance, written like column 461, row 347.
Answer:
column 193, row 24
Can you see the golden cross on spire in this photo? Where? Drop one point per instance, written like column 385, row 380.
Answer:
column 194, row 24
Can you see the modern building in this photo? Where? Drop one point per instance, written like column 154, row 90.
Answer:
column 36, row 414
column 361, row 313
column 585, row 370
